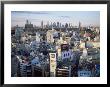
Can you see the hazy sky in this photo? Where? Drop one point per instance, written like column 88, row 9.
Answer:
column 35, row 17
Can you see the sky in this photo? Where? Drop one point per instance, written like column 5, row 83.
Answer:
column 86, row 18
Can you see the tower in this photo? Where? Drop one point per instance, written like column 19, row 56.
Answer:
column 79, row 25
column 57, row 24
column 42, row 24
column 27, row 22
column 47, row 24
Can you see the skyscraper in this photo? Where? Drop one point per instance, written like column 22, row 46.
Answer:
column 58, row 24
column 42, row 24
column 27, row 22
column 79, row 25
column 28, row 25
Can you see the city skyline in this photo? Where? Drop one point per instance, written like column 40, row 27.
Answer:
column 56, row 49
column 87, row 18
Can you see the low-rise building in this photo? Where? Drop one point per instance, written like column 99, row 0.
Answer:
column 50, row 36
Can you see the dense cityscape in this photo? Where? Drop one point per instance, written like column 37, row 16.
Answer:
column 55, row 50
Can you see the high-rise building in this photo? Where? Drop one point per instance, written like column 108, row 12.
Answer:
column 66, row 25
column 27, row 22
column 47, row 26
column 54, row 25
column 69, row 25
column 58, row 24
column 28, row 25
column 51, row 25
column 79, row 25
column 42, row 24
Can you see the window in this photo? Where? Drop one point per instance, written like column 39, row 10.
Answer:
column 64, row 55
column 53, row 55
column 68, row 54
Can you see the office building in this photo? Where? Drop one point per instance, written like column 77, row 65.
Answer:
column 42, row 24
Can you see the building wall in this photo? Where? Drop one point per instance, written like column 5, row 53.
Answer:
column 14, row 66
column 50, row 38
column 59, row 53
column 25, row 70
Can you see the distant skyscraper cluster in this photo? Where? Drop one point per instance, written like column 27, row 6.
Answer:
column 56, row 25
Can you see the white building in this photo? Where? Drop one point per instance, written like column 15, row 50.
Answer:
column 23, row 39
column 82, row 44
column 67, row 39
column 85, row 53
column 59, row 53
column 37, row 37
column 85, row 56
column 53, row 64
column 98, row 30
column 50, row 35
column 50, row 38
column 60, row 41
column 97, row 38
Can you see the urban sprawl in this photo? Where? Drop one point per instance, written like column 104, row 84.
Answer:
column 55, row 50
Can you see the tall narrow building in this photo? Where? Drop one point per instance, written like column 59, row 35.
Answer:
column 42, row 24
column 79, row 25
column 27, row 22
